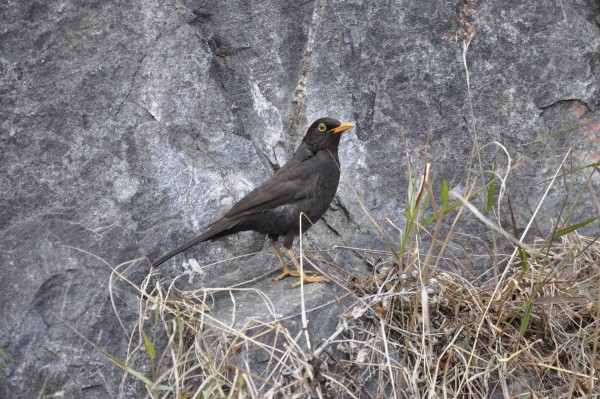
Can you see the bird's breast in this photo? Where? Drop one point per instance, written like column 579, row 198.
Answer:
column 317, row 178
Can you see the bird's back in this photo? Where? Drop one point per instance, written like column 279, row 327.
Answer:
column 306, row 184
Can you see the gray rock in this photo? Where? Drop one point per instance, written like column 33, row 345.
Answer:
column 125, row 128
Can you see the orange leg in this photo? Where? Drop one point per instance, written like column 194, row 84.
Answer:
column 289, row 272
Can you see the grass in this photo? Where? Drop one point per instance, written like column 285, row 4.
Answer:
column 533, row 333
column 420, row 325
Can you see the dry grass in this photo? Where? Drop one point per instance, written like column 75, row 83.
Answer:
column 444, row 337
column 413, row 329
column 533, row 334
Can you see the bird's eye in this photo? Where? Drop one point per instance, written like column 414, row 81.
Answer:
column 322, row 127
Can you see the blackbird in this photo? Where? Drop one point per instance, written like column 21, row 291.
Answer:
column 306, row 185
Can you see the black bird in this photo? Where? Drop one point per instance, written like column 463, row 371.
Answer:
column 306, row 184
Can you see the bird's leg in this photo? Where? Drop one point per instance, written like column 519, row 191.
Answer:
column 305, row 277
column 286, row 269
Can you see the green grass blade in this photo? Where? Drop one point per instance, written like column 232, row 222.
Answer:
column 115, row 361
column 526, row 317
column 149, row 345
column 445, row 191
column 523, row 256
column 573, row 227
column 556, row 133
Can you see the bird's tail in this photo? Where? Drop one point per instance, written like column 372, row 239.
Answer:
column 218, row 229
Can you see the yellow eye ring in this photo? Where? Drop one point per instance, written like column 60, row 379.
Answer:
column 322, row 127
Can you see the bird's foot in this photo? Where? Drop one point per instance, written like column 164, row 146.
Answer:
column 308, row 277
column 291, row 273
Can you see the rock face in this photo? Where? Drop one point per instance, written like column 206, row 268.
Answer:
column 126, row 127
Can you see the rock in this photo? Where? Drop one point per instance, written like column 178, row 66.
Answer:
column 125, row 128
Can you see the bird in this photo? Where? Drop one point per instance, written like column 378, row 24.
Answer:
column 305, row 185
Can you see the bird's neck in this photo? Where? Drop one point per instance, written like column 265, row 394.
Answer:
column 323, row 143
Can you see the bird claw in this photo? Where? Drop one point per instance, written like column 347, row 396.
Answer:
column 309, row 277
column 292, row 273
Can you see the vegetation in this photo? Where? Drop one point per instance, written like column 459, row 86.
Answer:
column 421, row 325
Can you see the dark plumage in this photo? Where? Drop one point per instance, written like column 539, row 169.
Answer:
column 306, row 183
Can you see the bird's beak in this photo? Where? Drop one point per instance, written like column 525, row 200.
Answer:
column 342, row 128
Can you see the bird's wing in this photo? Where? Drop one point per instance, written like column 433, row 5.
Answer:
column 287, row 185
column 269, row 195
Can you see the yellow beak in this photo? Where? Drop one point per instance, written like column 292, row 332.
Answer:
column 342, row 128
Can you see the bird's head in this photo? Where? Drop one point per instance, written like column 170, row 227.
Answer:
column 326, row 133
